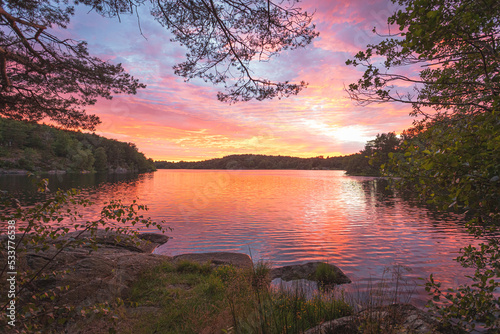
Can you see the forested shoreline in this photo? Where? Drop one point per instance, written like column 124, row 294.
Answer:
column 33, row 147
column 258, row 161
column 41, row 148
column 367, row 162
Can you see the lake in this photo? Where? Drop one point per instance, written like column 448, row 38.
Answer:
column 286, row 217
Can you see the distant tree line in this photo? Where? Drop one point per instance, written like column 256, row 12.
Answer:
column 36, row 147
column 367, row 162
column 257, row 161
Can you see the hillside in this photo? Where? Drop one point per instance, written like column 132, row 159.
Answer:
column 36, row 147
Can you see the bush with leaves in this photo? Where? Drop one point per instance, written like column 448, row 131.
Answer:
column 447, row 52
column 463, row 175
column 44, row 226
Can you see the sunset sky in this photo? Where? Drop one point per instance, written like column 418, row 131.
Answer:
column 173, row 120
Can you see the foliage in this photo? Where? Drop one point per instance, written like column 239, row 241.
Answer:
column 462, row 175
column 451, row 157
column 455, row 45
column 258, row 161
column 375, row 154
column 223, row 36
column 101, row 159
column 291, row 311
column 325, row 274
column 46, row 226
column 45, row 76
column 192, row 267
column 37, row 147
column 451, row 173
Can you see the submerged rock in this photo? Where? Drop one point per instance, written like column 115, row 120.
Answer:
column 308, row 271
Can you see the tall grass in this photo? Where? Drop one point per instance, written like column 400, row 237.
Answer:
column 325, row 275
column 194, row 298
column 378, row 308
column 282, row 310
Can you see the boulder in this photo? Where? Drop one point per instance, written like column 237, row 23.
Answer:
column 145, row 243
column 93, row 275
column 218, row 258
column 395, row 318
column 344, row 325
column 307, row 271
column 156, row 238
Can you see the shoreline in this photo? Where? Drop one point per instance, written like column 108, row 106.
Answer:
column 124, row 269
column 62, row 172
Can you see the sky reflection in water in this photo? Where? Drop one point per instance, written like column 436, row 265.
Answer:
column 287, row 217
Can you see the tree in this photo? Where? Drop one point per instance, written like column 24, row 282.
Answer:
column 101, row 159
column 81, row 158
column 375, row 155
column 454, row 163
column 62, row 144
column 43, row 76
column 456, row 45
column 451, row 158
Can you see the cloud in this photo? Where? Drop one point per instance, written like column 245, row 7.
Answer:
column 175, row 120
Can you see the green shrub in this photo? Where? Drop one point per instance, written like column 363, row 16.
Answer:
column 261, row 274
column 185, row 266
column 325, row 274
column 226, row 273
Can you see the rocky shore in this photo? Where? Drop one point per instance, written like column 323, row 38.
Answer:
column 103, row 274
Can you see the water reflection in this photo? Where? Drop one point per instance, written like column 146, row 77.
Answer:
column 287, row 217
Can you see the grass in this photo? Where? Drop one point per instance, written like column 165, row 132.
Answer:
column 325, row 275
column 187, row 297
column 283, row 311
column 378, row 308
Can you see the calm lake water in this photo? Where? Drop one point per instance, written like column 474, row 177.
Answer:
column 286, row 217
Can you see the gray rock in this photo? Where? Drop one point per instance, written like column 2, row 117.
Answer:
column 145, row 243
column 13, row 171
column 93, row 275
column 120, row 170
column 306, row 271
column 396, row 318
column 218, row 258
column 344, row 325
column 55, row 172
column 156, row 238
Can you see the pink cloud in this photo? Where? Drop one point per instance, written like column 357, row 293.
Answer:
column 175, row 120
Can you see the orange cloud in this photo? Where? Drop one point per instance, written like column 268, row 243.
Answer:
column 175, row 120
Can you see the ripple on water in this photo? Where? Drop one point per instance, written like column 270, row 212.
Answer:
column 286, row 217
